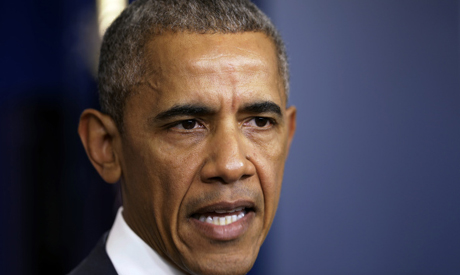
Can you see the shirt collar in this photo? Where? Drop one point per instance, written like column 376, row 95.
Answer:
column 130, row 255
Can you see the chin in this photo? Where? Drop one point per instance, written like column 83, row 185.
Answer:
column 222, row 265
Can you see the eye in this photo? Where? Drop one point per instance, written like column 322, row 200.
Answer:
column 188, row 124
column 260, row 122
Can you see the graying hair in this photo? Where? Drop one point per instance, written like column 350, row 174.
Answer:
column 121, row 63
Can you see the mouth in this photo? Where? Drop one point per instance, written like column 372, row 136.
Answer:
column 223, row 217
column 224, row 221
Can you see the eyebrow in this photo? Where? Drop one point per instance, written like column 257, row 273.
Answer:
column 184, row 110
column 193, row 110
column 263, row 107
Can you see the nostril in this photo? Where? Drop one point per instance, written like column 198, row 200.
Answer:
column 245, row 177
column 216, row 179
column 227, row 180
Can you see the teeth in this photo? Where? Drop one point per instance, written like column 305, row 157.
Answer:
column 221, row 220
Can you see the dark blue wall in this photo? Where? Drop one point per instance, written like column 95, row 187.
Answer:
column 53, row 204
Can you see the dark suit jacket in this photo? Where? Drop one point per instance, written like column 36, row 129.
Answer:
column 98, row 262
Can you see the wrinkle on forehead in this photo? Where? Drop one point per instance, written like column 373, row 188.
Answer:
column 191, row 46
column 224, row 63
column 184, row 62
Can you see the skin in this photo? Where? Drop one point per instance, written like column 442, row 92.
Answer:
column 224, row 147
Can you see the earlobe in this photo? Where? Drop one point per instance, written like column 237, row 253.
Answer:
column 99, row 136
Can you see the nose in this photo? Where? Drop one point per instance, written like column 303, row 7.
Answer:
column 228, row 159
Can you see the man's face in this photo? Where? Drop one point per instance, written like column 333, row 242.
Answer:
column 206, row 137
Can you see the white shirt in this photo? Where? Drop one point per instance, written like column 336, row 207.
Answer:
column 130, row 255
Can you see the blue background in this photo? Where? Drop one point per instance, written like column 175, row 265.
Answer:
column 372, row 183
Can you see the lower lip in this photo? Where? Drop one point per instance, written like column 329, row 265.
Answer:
column 224, row 232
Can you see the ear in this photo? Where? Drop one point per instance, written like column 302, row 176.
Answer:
column 100, row 137
column 291, row 114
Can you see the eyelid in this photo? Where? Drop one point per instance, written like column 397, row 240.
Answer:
column 271, row 120
column 177, row 123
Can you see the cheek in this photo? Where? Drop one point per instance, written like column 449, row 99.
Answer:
column 271, row 153
column 269, row 161
column 175, row 162
column 175, row 168
column 159, row 173
column 269, row 157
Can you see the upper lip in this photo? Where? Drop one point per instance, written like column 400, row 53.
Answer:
column 224, row 206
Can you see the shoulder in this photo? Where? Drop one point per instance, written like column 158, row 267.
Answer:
column 97, row 262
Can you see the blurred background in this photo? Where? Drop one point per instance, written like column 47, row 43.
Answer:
column 372, row 185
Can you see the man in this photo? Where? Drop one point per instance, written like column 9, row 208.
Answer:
column 194, row 123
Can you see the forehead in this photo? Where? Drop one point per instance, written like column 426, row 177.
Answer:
column 186, row 66
column 188, row 46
